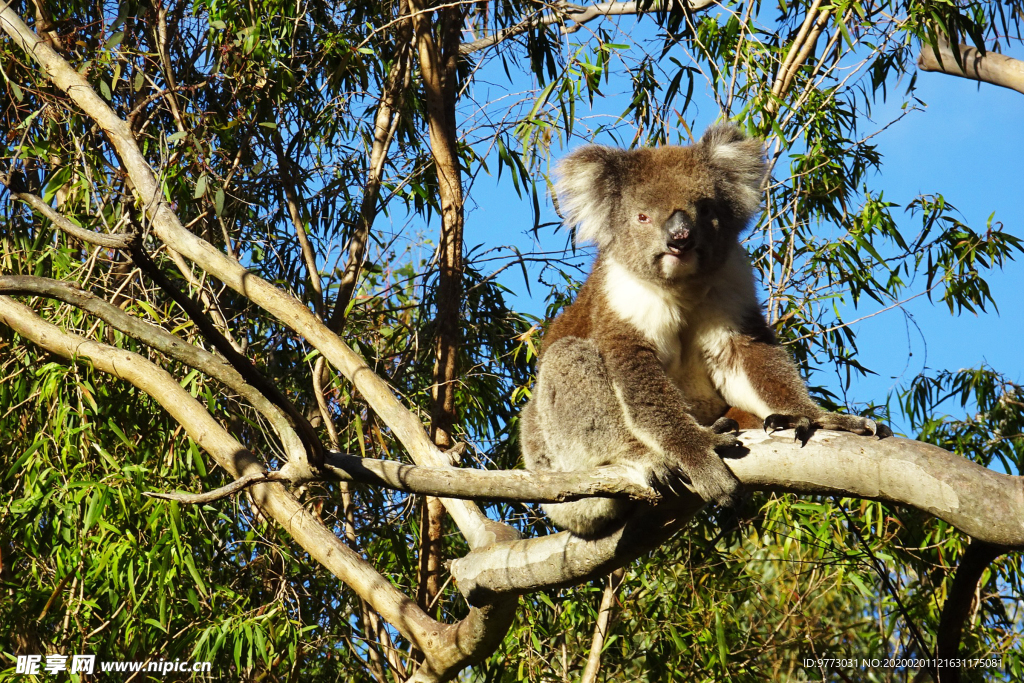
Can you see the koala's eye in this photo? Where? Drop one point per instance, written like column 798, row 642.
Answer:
column 643, row 218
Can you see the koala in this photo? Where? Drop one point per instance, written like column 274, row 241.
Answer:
column 666, row 334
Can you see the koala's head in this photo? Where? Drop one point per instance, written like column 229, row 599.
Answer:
column 665, row 213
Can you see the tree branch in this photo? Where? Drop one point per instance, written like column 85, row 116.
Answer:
column 990, row 67
column 980, row 502
column 448, row 647
column 519, row 486
column 313, row 449
column 438, row 67
column 491, row 485
column 221, row 493
column 273, row 498
column 63, row 223
column 983, row 504
column 160, row 339
column 604, row 619
column 285, row 173
column 806, row 39
column 957, row 610
column 370, row 621
column 385, row 122
column 563, row 12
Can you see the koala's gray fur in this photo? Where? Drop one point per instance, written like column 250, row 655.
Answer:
column 667, row 333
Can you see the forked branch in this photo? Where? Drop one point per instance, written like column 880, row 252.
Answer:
column 448, row 647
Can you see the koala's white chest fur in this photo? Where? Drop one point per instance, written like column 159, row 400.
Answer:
column 673, row 323
column 658, row 313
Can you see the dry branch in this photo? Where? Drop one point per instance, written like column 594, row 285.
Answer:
column 519, row 486
column 491, row 485
column 448, row 648
column 223, row 492
column 63, row 223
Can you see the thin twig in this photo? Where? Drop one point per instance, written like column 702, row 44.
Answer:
column 121, row 241
column 222, row 492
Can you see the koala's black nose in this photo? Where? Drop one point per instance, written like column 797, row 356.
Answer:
column 680, row 232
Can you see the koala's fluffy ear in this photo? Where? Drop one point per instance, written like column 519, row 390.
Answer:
column 742, row 159
column 585, row 187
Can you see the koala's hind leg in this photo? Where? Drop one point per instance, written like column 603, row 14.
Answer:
column 574, row 422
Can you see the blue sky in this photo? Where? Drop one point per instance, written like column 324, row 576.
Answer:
column 967, row 144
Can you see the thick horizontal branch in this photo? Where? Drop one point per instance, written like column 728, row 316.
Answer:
column 491, row 485
column 990, row 67
column 981, row 503
column 565, row 12
column 454, row 482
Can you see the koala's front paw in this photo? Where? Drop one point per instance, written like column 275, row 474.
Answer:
column 699, row 467
column 804, row 426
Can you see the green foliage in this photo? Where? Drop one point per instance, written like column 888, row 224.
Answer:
column 237, row 105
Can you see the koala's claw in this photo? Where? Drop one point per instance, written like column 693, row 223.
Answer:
column 802, row 430
column 725, row 424
column 777, row 421
column 706, row 475
column 803, row 427
column 712, row 479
